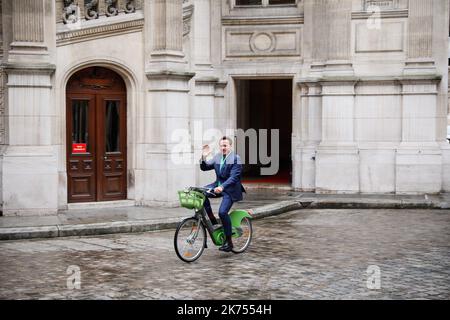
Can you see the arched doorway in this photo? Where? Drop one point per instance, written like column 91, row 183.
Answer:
column 96, row 136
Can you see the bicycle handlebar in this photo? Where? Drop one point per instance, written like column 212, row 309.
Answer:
column 203, row 190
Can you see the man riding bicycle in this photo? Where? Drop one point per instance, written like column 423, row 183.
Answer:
column 228, row 168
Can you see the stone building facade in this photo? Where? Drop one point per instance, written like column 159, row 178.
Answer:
column 91, row 92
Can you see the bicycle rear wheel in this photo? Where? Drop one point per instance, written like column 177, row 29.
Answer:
column 245, row 233
column 190, row 240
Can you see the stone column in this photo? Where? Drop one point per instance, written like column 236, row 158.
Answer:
column 203, row 120
column 420, row 38
column 202, row 35
column 27, row 28
column 221, row 114
column 337, row 168
column 314, row 50
column 339, row 19
column 166, row 24
column 419, row 157
column 311, row 115
column 299, row 103
column 30, row 176
column 166, row 115
column 328, row 31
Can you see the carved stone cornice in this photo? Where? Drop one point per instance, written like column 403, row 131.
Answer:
column 100, row 31
column 186, row 75
column 29, row 68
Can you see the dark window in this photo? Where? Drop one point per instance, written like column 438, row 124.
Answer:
column 248, row 2
column 281, row 1
column 112, row 126
column 80, row 121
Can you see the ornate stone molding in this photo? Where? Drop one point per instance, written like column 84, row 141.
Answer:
column 188, row 10
column 91, row 9
column 74, row 11
column 130, row 6
column 242, row 42
column 111, row 8
column 71, row 12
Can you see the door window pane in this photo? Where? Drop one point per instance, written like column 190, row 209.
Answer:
column 80, row 121
column 112, row 121
column 248, row 2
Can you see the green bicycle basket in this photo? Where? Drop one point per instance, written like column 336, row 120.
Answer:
column 191, row 199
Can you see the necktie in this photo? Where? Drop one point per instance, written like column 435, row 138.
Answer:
column 222, row 162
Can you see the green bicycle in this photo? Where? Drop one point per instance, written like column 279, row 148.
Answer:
column 190, row 238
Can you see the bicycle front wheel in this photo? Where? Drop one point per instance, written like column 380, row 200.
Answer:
column 244, row 236
column 190, row 240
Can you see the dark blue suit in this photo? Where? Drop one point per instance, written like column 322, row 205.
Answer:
column 230, row 179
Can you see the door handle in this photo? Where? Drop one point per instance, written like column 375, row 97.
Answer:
column 105, row 158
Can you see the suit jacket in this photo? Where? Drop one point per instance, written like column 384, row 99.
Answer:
column 230, row 175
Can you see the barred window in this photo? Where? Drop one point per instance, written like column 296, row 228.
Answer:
column 263, row 2
column 248, row 2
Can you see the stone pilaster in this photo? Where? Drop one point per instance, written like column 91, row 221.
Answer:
column 202, row 35
column 1, row 31
column 311, row 132
column 420, row 38
column 337, row 167
column 27, row 30
column 221, row 120
column 203, row 121
column 167, row 27
column 339, row 18
column 330, row 27
column 169, row 162
column 419, row 157
column 29, row 168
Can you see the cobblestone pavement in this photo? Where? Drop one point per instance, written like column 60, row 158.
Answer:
column 307, row 254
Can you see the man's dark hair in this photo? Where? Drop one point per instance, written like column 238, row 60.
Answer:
column 229, row 140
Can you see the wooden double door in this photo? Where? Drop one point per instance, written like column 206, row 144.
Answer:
column 96, row 136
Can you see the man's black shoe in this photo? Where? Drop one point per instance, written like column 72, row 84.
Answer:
column 226, row 247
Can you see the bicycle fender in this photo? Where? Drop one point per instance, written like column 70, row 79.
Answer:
column 237, row 216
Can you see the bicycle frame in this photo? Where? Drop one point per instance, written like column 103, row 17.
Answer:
column 217, row 234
